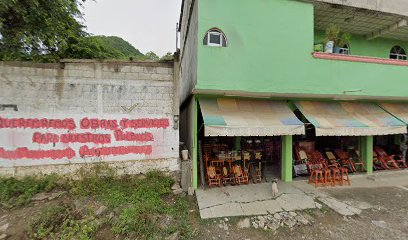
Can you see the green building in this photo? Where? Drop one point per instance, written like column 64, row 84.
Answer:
column 277, row 51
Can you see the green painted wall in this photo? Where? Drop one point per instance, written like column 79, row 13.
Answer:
column 270, row 45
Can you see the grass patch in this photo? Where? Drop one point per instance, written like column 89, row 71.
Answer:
column 18, row 192
column 144, row 206
column 62, row 222
column 138, row 207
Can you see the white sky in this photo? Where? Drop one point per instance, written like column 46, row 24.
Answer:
column 149, row 25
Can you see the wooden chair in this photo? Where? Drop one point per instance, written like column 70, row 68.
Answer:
column 345, row 176
column 345, row 160
column 337, row 177
column 227, row 177
column 214, row 179
column 387, row 161
column 256, row 172
column 377, row 163
column 328, row 178
column 393, row 160
column 357, row 160
column 240, row 175
column 316, row 175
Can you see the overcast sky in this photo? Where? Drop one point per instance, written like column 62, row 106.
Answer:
column 149, row 25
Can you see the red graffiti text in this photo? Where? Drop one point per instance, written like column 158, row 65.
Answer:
column 86, row 138
column 94, row 123
column 85, row 151
column 21, row 153
column 133, row 137
column 45, row 138
column 144, row 123
column 34, row 123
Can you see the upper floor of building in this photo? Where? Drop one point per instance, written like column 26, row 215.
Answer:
column 277, row 48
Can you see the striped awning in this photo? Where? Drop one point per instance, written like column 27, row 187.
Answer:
column 242, row 117
column 399, row 110
column 350, row 119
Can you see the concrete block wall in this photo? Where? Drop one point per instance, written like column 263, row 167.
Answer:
column 56, row 117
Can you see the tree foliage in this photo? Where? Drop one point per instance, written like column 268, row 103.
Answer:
column 30, row 29
column 49, row 30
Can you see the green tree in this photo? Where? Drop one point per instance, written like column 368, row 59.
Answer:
column 32, row 29
column 152, row 56
column 168, row 56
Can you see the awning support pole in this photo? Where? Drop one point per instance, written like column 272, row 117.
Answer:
column 195, row 144
column 287, row 159
column 367, row 147
column 237, row 143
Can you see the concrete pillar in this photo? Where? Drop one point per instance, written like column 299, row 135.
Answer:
column 237, row 143
column 195, row 144
column 367, row 147
column 287, row 159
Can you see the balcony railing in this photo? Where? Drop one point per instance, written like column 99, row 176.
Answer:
column 365, row 59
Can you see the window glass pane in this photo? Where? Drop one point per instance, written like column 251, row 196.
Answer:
column 215, row 38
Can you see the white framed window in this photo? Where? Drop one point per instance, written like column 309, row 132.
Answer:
column 398, row 53
column 215, row 38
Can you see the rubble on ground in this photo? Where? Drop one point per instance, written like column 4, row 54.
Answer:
column 274, row 221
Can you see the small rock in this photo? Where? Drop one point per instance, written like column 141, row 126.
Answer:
column 40, row 196
column 174, row 236
column 175, row 186
column 225, row 227
column 244, row 223
column 226, row 219
column 302, row 219
column 318, row 205
column 4, row 227
column 380, row 224
column 56, row 195
column 3, row 236
column 277, row 216
column 273, row 226
column 255, row 225
column 220, row 226
column 290, row 223
column 293, row 214
column 177, row 191
column 100, row 210
column 266, row 228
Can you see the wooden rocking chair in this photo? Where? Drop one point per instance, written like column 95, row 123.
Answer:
column 227, row 177
column 240, row 176
column 395, row 160
column 385, row 158
column 214, row 179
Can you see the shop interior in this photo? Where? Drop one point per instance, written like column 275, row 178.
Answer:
column 235, row 160
column 251, row 160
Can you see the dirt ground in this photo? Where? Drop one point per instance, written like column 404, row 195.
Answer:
column 386, row 219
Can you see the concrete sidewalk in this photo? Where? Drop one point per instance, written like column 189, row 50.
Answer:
column 256, row 199
column 249, row 200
